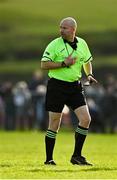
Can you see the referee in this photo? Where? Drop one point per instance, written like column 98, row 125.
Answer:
column 64, row 57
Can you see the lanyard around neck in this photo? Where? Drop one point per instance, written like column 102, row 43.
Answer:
column 69, row 54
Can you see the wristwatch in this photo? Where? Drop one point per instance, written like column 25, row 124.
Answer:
column 63, row 64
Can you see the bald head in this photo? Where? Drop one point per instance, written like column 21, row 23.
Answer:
column 68, row 28
column 69, row 21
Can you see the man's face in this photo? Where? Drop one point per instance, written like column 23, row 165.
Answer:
column 66, row 30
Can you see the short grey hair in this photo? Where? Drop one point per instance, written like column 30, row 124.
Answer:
column 71, row 21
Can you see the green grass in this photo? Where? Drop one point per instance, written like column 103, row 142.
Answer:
column 25, row 66
column 22, row 155
column 93, row 15
column 22, row 66
column 27, row 25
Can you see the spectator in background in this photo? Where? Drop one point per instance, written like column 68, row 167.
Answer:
column 41, row 114
column 110, row 103
column 22, row 101
column 95, row 94
column 38, row 89
column 2, row 111
column 37, row 79
column 9, row 107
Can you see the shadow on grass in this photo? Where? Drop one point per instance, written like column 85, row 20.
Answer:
column 5, row 165
column 51, row 170
column 99, row 169
column 74, row 170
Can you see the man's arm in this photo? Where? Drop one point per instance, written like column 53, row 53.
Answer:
column 87, row 68
column 50, row 65
column 55, row 65
column 88, row 71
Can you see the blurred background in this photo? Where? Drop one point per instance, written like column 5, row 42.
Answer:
column 26, row 27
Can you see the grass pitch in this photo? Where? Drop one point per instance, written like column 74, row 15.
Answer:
column 22, row 155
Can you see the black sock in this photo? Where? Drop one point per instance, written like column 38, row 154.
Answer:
column 80, row 136
column 50, row 142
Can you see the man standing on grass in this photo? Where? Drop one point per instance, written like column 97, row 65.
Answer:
column 64, row 57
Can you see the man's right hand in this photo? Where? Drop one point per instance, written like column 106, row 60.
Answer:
column 70, row 61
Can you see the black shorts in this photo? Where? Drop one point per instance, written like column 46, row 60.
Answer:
column 60, row 93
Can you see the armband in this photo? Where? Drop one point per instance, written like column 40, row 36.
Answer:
column 90, row 75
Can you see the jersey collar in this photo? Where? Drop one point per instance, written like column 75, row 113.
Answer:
column 72, row 44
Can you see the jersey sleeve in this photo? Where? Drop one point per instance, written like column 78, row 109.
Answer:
column 88, row 56
column 49, row 53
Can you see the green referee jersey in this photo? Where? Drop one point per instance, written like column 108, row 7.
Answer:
column 57, row 51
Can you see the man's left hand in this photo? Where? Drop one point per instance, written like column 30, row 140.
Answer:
column 91, row 79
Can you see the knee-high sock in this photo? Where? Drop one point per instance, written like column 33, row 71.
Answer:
column 80, row 136
column 49, row 143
